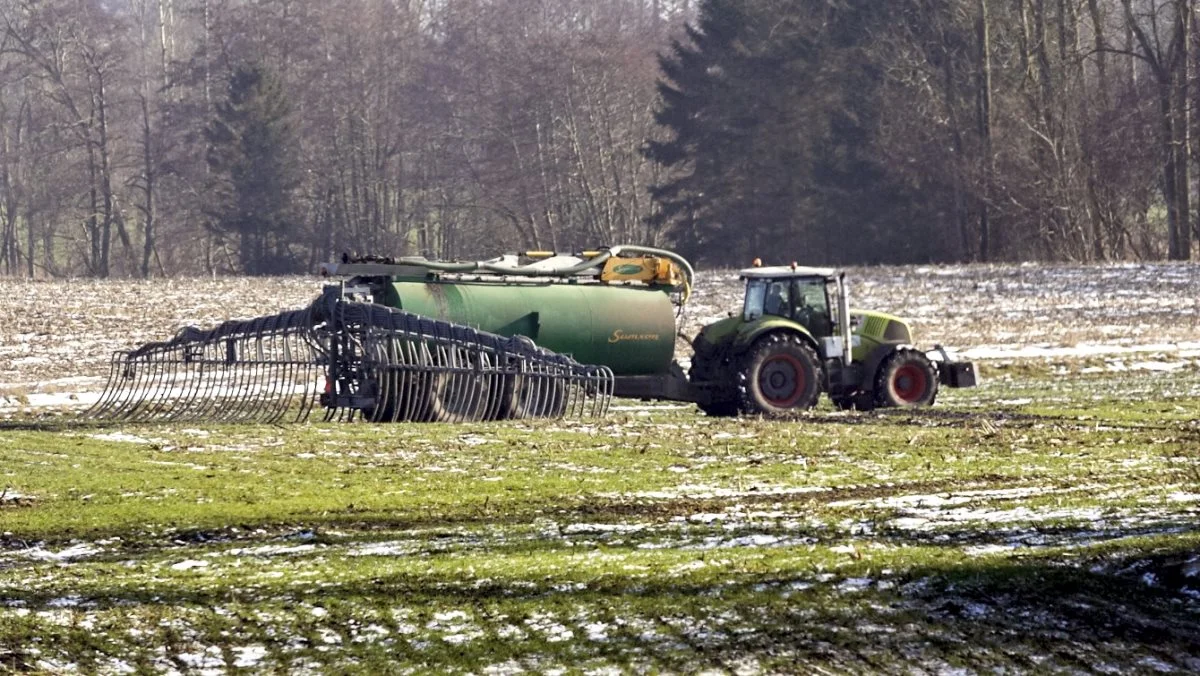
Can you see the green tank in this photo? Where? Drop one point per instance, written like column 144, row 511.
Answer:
column 629, row 329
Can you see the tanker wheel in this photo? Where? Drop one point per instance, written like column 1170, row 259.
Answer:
column 906, row 378
column 403, row 399
column 458, row 397
column 779, row 375
column 532, row 396
column 706, row 369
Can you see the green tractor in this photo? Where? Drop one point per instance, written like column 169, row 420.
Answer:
column 797, row 337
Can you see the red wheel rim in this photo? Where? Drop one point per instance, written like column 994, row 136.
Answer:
column 781, row 380
column 910, row 382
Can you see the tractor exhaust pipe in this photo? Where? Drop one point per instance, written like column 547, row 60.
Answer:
column 844, row 319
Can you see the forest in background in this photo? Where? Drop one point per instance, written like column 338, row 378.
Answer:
column 161, row 137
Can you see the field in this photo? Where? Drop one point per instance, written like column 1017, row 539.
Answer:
column 1045, row 521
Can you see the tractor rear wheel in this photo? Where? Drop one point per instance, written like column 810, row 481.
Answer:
column 906, row 378
column 780, row 374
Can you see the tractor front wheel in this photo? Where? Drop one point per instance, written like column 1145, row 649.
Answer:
column 906, row 378
column 779, row 375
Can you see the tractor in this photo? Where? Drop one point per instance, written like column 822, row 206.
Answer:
column 797, row 337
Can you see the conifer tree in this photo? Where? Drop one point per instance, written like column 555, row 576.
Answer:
column 770, row 111
column 250, row 154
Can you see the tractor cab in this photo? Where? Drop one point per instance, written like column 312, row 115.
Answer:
column 802, row 295
column 814, row 298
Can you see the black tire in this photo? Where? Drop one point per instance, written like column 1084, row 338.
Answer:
column 860, row 401
column 906, row 378
column 720, row 409
column 707, row 368
column 779, row 375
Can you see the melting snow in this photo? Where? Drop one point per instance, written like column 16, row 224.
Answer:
column 121, row 436
column 248, row 656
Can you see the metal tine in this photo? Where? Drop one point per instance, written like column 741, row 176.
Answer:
column 239, row 377
column 483, row 384
column 375, row 355
column 229, row 382
column 422, row 388
column 448, row 389
column 466, row 403
column 402, row 377
column 406, row 379
column 473, row 389
column 288, row 377
column 388, row 392
column 101, row 404
column 495, row 386
column 461, row 392
column 255, row 370
column 237, row 374
column 309, row 374
column 402, row 371
column 571, row 391
column 572, row 402
column 115, row 390
column 589, row 392
column 311, row 342
column 585, row 385
column 195, row 397
column 276, row 376
column 416, row 357
column 137, row 390
column 414, row 392
column 540, row 393
column 200, row 400
column 263, row 374
column 156, row 403
column 537, row 391
column 275, row 389
column 246, row 371
column 441, row 362
column 487, row 385
column 213, row 403
column 375, row 371
column 455, row 391
column 481, row 375
column 132, row 391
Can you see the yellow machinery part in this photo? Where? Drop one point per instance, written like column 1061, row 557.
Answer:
column 647, row 269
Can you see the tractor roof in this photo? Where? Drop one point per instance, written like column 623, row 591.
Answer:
column 785, row 272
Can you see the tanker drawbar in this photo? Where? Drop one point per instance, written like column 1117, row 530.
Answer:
column 352, row 360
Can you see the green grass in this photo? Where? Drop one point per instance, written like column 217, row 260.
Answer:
column 1043, row 522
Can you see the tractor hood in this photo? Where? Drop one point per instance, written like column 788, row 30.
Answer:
column 880, row 327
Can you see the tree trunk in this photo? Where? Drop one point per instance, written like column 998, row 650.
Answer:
column 984, row 109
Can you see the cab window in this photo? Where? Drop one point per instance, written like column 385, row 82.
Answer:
column 810, row 306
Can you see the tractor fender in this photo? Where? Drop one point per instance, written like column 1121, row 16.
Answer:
column 751, row 333
column 870, row 365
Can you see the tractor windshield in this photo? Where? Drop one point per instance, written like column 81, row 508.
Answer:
column 803, row 300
